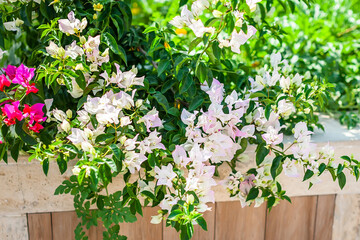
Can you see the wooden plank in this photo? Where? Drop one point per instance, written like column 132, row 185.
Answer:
column 39, row 225
column 64, row 224
column 324, row 217
column 236, row 223
column 170, row 233
column 294, row 221
column 142, row 229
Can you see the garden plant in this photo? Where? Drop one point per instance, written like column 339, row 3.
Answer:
column 162, row 94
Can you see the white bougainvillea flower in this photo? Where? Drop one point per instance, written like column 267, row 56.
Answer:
column 257, row 84
column 151, row 120
column 73, row 50
column 180, row 157
column 165, row 175
column 13, row 25
column 185, row 19
column 239, row 38
column 252, row 4
column 199, row 29
column 199, row 6
column 301, row 133
column 272, row 136
column 275, row 60
column 2, row 53
column 72, row 25
column 290, row 168
column 54, row 50
column 76, row 91
column 285, row 108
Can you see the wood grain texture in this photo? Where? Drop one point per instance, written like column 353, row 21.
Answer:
column 294, row 221
column 324, row 217
column 142, row 229
column 170, row 233
column 39, row 225
column 236, row 223
column 64, row 224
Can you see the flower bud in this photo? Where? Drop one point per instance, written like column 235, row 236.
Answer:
column 19, row 22
column 138, row 103
column 79, row 67
column 65, row 125
column 122, row 140
column 69, row 113
column 217, row 13
column 82, row 40
column 190, row 199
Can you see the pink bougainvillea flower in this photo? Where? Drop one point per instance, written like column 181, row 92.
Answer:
column 31, row 89
column 4, row 82
column 10, row 71
column 36, row 128
column 23, row 74
column 23, row 77
column 12, row 112
column 34, row 112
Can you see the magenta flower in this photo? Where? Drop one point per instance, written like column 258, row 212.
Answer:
column 23, row 77
column 12, row 112
column 10, row 71
column 36, row 128
column 34, row 112
column 4, row 82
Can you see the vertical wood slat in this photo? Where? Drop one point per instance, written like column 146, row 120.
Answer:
column 170, row 233
column 236, row 223
column 142, row 229
column 294, row 221
column 64, row 224
column 324, row 217
column 39, row 226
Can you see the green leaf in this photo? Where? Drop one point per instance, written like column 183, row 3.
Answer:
column 342, row 180
column 201, row 72
column 81, row 175
column 275, row 165
column 174, row 214
column 253, row 193
column 45, row 166
column 261, row 153
column 163, row 65
column 104, row 137
column 270, row 202
column 308, row 174
column 186, row 83
column 202, row 223
column 111, row 43
column 61, row 163
column 150, row 29
column 196, row 102
column 346, row 158
column 149, row 194
column 19, row 129
column 161, row 99
column 257, row 95
column 15, row 149
column 194, row 43
column 100, row 202
column 116, row 151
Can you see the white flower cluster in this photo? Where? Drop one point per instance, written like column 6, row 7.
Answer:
column 109, row 110
column 191, row 19
column 89, row 47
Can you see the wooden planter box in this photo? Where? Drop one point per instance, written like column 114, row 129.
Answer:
column 28, row 208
